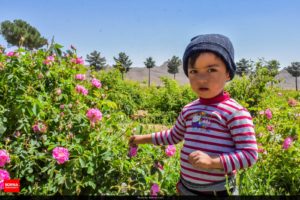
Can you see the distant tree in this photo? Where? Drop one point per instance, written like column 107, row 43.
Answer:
column 96, row 61
column 273, row 67
column 261, row 63
column 294, row 70
column 120, row 67
column 20, row 33
column 173, row 65
column 149, row 63
column 123, row 63
column 244, row 67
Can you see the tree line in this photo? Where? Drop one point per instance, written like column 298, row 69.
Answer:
column 21, row 34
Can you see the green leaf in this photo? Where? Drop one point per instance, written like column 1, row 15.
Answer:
column 30, row 111
column 61, row 180
column 30, row 178
column 82, row 163
column 58, row 46
column 30, row 170
column 90, row 171
column 10, row 76
column 2, row 128
column 92, row 184
column 34, row 109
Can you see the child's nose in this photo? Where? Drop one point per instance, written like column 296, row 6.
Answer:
column 201, row 78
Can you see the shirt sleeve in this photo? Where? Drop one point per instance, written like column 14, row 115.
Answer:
column 241, row 128
column 171, row 136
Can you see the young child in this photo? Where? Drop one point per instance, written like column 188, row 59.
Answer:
column 218, row 132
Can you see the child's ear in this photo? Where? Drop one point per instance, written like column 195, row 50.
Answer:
column 227, row 77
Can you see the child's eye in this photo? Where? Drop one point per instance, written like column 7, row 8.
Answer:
column 192, row 71
column 211, row 70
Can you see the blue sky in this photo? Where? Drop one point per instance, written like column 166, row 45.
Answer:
column 163, row 28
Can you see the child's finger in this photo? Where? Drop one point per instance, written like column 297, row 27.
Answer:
column 131, row 140
column 191, row 159
column 192, row 162
column 193, row 154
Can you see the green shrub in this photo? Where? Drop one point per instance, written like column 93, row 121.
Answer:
column 249, row 91
column 98, row 163
column 277, row 171
column 33, row 92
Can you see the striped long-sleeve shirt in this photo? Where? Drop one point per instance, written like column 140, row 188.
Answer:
column 218, row 126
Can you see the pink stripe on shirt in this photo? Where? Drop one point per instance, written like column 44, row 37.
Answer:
column 227, row 131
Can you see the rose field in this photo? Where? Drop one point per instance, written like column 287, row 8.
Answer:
column 64, row 129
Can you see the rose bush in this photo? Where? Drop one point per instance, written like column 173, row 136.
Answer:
column 65, row 129
column 277, row 171
column 59, row 138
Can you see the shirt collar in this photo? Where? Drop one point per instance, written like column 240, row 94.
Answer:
column 223, row 96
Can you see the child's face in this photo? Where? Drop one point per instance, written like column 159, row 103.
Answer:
column 208, row 76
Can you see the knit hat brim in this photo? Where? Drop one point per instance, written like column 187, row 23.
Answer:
column 210, row 47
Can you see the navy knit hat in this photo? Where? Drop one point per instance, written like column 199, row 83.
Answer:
column 216, row 43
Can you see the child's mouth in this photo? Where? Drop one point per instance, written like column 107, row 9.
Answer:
column 203, row 89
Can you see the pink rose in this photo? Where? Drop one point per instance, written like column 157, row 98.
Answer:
column 268, row 113
column 4, row 175
column 80, row 77
column 17, row 134
column 94, row 115
column 158, row 165
column 77, row 60
column 261, row 150
column 58, row 91
column 132, row 151
column 292, row 102
column 96, row 83
column 287, row 143
column 4, row 157
column 49, row 60
column 261, row 112
column 61, row 154
column 170, row 150
column 154, row 189
column 259, row 135
column 270, row 128
column 11, row 54
column 39, row 127
column 82, row 90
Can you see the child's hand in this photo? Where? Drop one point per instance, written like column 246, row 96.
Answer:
column 140, row 139
column 132, row 141
column 202, row 160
